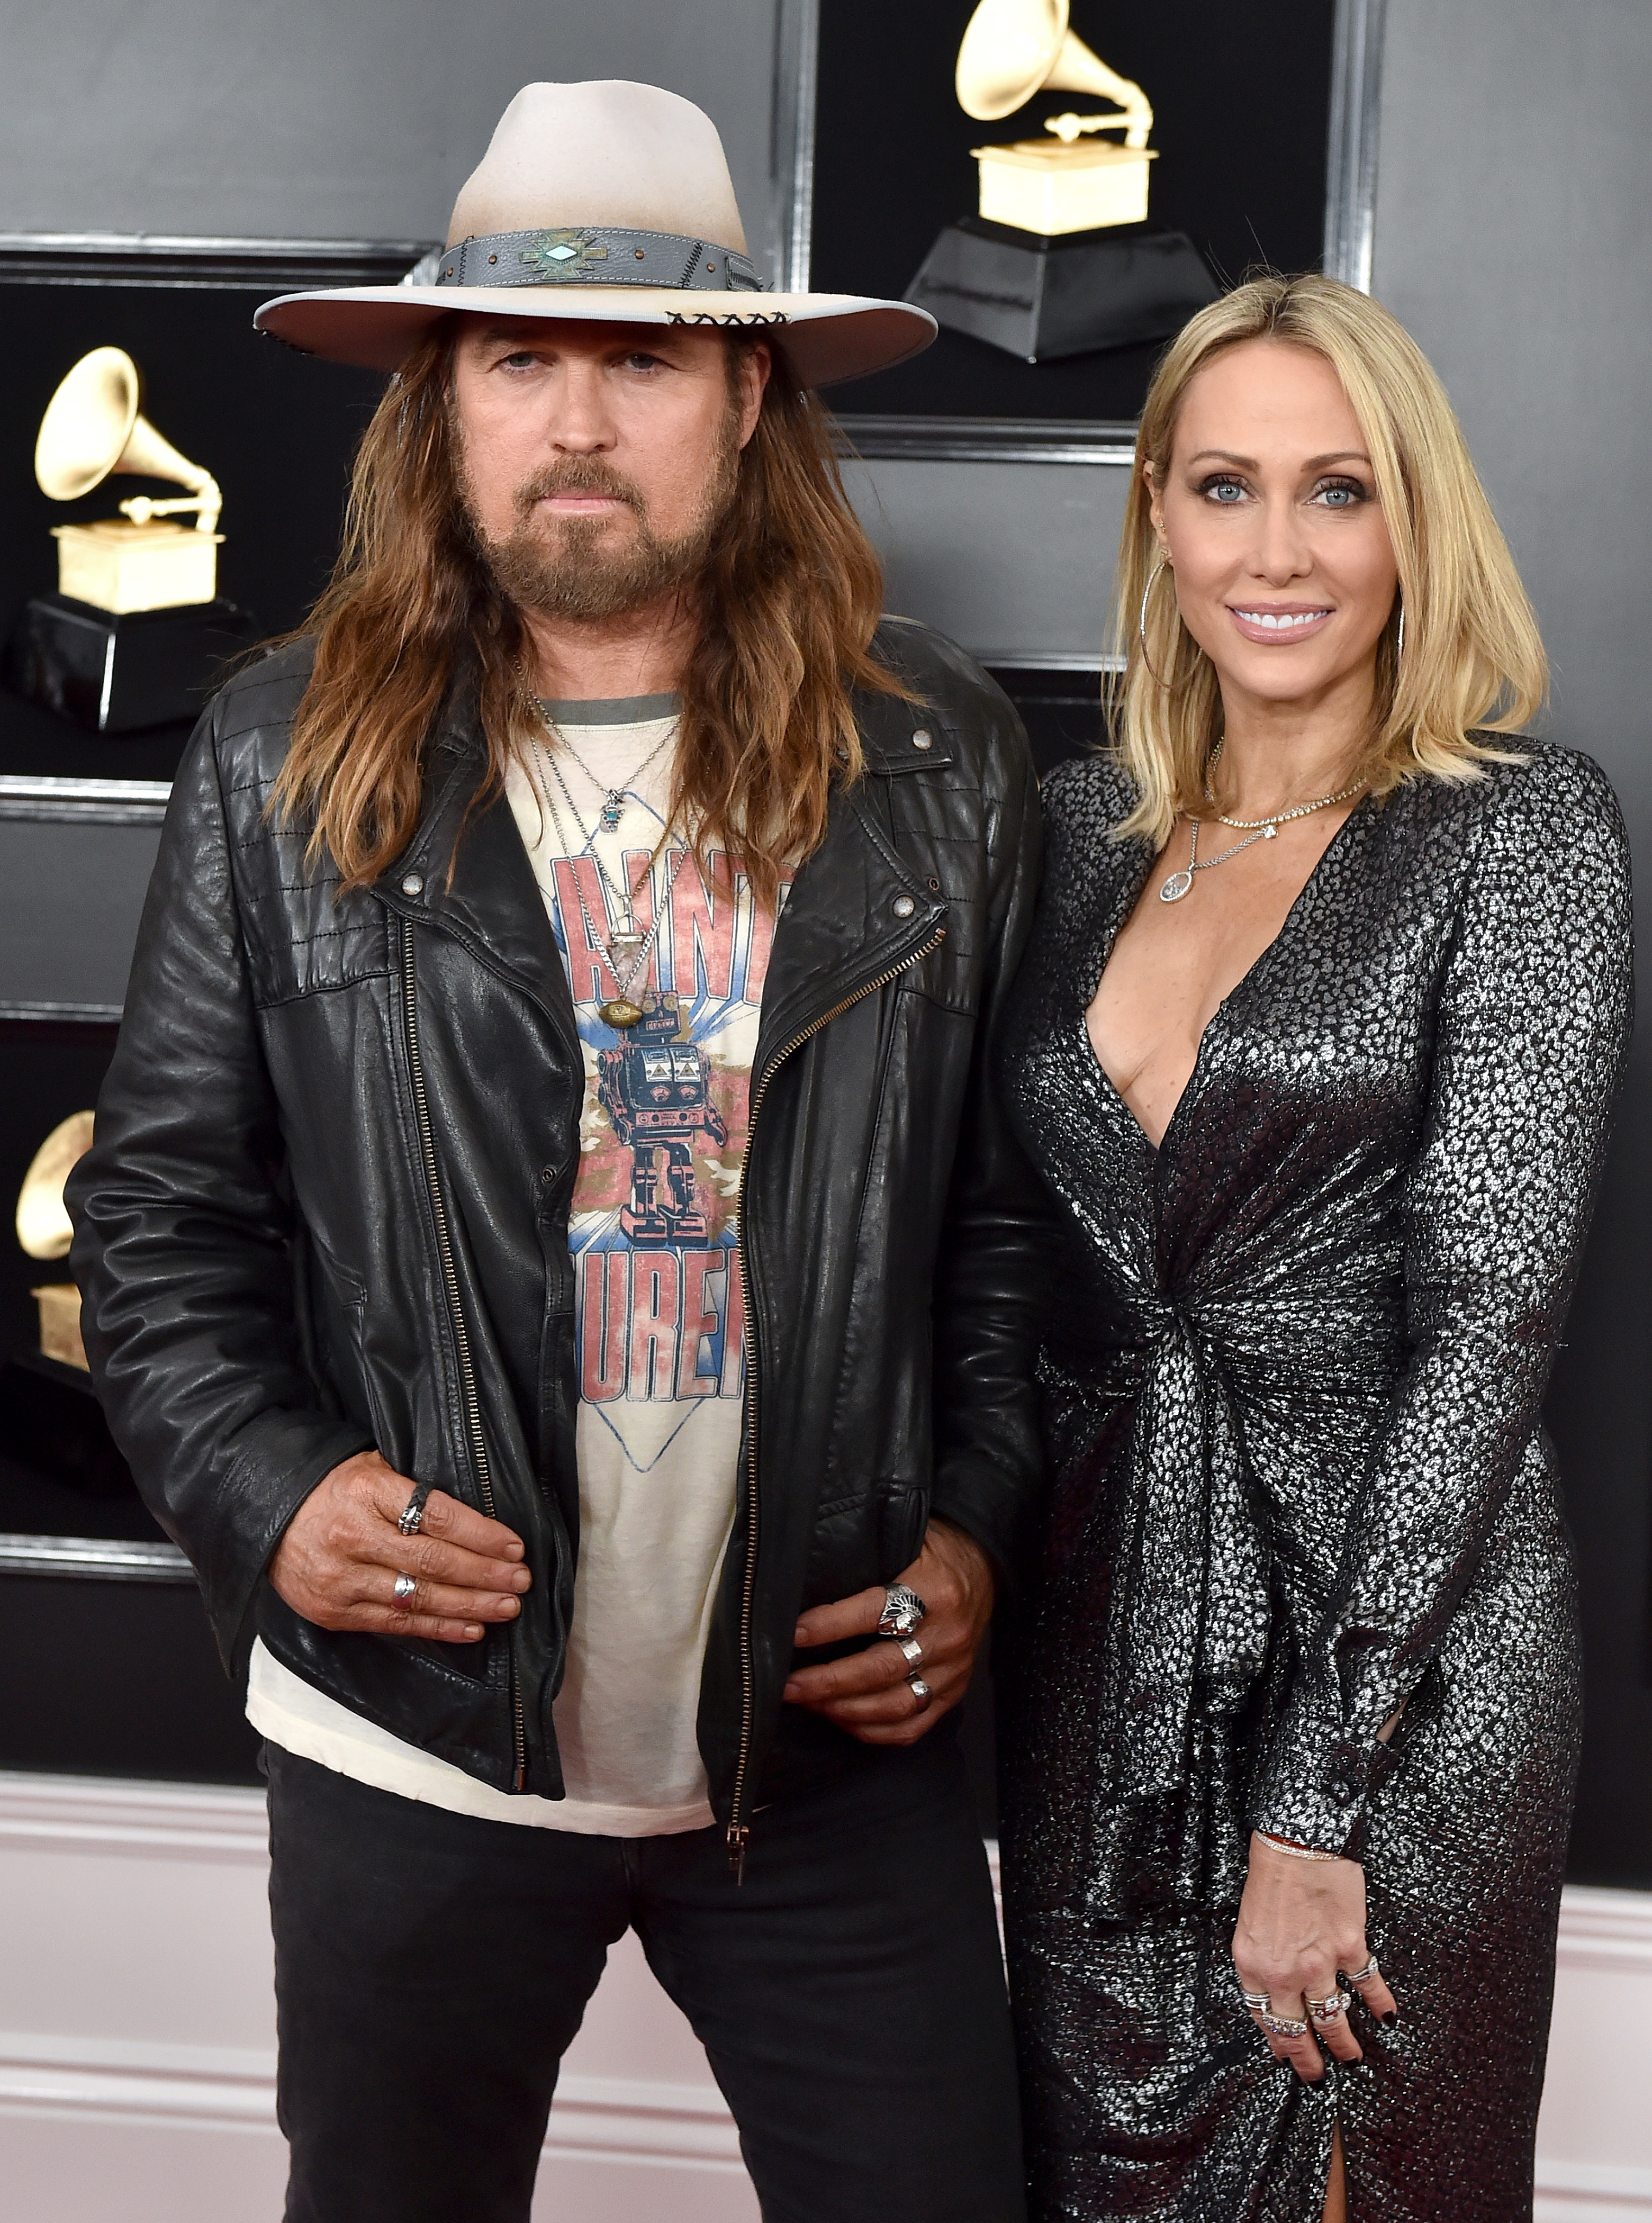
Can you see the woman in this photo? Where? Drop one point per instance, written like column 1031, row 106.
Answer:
column 1316, row 1046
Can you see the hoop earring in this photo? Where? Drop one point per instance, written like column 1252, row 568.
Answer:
column 1399, row 641
column 1141, row 619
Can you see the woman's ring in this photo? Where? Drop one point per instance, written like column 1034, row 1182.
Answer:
column 920, row 1691
column 1257, row 2002
column 405, row 1588
column 1368, row 1975
column 1285, row 2025
column 1331, row 2008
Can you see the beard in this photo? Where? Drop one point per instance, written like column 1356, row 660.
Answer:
column 585, row 569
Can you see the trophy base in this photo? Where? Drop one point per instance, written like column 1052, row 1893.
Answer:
column 1042, row 298
column 60, row 1311
column 116, row 674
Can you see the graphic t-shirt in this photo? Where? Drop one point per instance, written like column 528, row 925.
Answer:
column 654, row 1232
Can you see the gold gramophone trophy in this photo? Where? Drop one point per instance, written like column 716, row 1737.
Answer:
column 136, row 628
column 44, row 1231
column 1045, row 270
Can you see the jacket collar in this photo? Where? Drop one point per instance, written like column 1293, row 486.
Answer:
column 466, row 871
column 855, row 910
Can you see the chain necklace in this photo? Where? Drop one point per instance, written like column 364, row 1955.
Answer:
column 614, row 800
column 626, row 949
column 1255, row 829
column 1276, row 819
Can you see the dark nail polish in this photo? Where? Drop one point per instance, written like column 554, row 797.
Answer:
column 1391, row 2017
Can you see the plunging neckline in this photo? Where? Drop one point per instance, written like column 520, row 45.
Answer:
column 1122, row 918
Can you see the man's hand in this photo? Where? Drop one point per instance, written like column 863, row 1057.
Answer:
column 338, row 1561
column 866, row 1692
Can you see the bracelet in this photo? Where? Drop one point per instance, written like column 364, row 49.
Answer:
column 1296, row 1852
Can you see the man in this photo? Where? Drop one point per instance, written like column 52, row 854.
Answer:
column 551, row 1254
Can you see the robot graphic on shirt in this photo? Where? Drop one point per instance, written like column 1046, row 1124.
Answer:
column 657, row 1092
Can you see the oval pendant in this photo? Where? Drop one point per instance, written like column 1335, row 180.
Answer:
column 618, row 1011
column 1176, row 887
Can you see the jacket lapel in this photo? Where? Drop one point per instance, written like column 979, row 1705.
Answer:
column 466, row 871
column 855, row 910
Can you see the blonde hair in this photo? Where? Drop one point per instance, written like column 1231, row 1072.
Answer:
column 1473, row 663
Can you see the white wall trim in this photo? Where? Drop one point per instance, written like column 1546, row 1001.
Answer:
column 153, row 2084
column 1592, row 2192
column 228, row 2087
column 1605, row 1930
column 108, row 2080
column 93, row 1814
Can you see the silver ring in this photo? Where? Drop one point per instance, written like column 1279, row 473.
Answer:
column 920, row 1691
column 405, row 1587
column 913, row 1649
column 1330, row 2009
column 1257, row 2002
column 1368, row 1975
column 902, row 1611
column 413, row 1513
column 1285, row 2025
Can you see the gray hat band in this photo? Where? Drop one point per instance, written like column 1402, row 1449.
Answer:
column 593, row 255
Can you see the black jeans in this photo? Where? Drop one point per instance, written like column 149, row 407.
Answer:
column 432, row 1968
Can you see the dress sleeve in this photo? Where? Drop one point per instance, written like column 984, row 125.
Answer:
column 1531, row 1029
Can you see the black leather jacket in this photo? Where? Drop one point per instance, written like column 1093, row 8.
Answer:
column 327, row 1206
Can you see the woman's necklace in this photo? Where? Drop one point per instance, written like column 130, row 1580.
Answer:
column 1255, row 829
column 628, row 947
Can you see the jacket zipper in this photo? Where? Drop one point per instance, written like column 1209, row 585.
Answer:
column 739, row 1831
column 455, row 1305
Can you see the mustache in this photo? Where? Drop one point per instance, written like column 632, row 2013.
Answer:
column 577, row 474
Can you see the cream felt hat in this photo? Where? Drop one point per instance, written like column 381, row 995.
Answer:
column 608, row 202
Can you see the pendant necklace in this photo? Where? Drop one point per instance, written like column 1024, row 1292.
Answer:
column 627, row 947
column 614, row 800
column 1255, row 829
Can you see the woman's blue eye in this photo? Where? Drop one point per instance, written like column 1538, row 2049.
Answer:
column 1340, row 496
column 1225, row 491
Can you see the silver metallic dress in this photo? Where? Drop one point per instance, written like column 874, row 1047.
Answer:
column 1293, row 1368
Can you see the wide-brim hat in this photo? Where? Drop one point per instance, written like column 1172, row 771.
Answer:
column 611, row 203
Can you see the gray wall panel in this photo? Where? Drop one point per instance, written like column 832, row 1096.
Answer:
column 1511, row 237
column 73, row 896
column 309, row 119
column 1014, row 560
column 1512, row 240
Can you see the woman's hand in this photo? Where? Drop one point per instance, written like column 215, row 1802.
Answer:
column 867, row 1693
column 1301, row 1930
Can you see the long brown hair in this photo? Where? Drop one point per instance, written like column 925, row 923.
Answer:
column 788, row 601
column 1472, row 664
